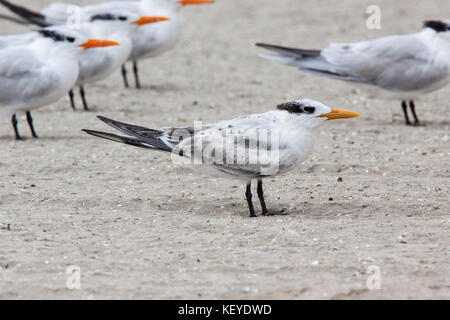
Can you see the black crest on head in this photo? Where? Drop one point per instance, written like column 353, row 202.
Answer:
column 105, row 17
column 52, row 35
column 296, row 107
column 436, row 25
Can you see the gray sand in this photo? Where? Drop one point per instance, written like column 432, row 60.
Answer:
column 140, row 227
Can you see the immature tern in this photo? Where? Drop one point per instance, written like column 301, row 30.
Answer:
column 404, row 66
column 39, row 68
column 249, row 148
column 148, row 41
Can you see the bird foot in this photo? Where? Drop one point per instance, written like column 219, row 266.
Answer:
column 416, row 124
column 275, row 213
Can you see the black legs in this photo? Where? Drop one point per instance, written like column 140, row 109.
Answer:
column 30, row 123
column 83, row 97
column 248, row 195
column 413, row 110
column 405, row 112
column 16, row 130
column 136, row 74
column 72, row 99
column 124, row 76
column 261, row 198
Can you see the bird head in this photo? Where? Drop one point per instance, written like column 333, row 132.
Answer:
column 116, row 20
column 441, row 27
column 69, row 40
column 312, row 114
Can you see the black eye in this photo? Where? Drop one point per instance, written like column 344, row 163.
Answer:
column 309, row 110
column 70, row 39
column 123, row 18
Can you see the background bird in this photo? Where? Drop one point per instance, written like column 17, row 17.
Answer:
column 148, row 41
column 105, row 23
column 404, row 66
column 39, row 68
column 96, row 65
column 248, row 148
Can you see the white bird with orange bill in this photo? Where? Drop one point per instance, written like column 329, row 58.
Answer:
column 148, row 41
column 253, row 147
column 39, row 68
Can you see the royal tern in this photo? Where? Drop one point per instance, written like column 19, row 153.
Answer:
column 96, row 65
column 114, row 24
column 403, row 66
column 154, row 40
column 249, row 148
column 148, row 41
column 39, row 68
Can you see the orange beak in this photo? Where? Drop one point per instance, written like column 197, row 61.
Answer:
column 190, row 2
column 146, row 20
column 340, row 114
column 93, row 43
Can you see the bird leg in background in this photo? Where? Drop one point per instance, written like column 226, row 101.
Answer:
column 30, row 123
column 83, row 97
column 261, row 198
column 248, row 195
column 72, row 99
column 16, row 130
column 136, row 74
column 413, row 110
column 124, row 75
column 405, row 112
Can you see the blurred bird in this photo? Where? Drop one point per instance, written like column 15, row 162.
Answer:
column 114, row 25
column 155, row 40
column 147, row 42
column 38, row 68
column 96, row 65
column 248, row 148
column 404, row 66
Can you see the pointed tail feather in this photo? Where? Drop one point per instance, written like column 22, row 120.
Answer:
column 292, row 52
column 309, row 61
column 27, row 14
column 13, row 19
column 116, row 138
column 145, row 136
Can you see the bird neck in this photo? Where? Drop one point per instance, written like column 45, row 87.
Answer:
column 47, row 47
column 111, row 31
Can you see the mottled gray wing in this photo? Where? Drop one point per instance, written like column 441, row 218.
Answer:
column 23, row 76
column 246, row 146
column 403, row 63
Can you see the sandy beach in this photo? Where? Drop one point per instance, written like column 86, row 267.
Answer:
column 374, row 194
